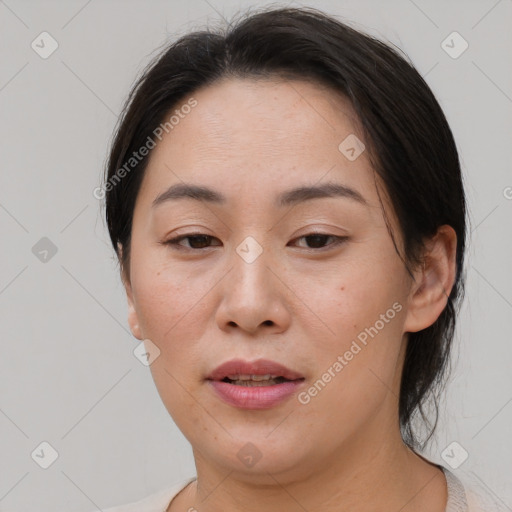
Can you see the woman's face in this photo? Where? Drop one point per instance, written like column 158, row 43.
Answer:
column 332, row 309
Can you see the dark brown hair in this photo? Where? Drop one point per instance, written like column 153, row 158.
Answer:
column 407, row 136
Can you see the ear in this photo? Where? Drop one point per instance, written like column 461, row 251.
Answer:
column 133, row 319
column 433, row 282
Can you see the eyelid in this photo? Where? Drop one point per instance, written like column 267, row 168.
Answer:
column 175, row 241
column 338, row 240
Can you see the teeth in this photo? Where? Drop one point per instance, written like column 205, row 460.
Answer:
column 256, row 378
column 254, row 383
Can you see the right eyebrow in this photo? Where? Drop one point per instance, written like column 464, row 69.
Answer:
column 190, row 191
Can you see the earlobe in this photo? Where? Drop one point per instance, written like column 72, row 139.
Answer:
column 430, row 292
column 133, row 319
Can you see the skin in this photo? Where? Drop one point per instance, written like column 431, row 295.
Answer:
column 298, row 303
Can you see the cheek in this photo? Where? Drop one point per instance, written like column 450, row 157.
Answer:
column 363, row 311
column 165, row 299
column 356, row 373
column 353, row 297
column 171, row 310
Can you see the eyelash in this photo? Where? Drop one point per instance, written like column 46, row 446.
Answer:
column 174, row 242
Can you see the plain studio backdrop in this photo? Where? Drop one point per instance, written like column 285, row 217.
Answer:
column 71, row 387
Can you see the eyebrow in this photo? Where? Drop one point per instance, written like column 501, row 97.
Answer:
column 287, row 198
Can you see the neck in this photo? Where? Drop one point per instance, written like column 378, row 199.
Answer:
column 358, row 476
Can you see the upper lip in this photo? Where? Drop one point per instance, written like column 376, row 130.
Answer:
column 258, row 367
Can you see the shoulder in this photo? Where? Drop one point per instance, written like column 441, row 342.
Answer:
column 156, row 502
column 467, row 493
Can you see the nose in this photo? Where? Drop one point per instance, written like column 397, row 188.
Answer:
column 254, row 296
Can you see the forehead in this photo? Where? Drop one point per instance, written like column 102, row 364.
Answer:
column 257, row 136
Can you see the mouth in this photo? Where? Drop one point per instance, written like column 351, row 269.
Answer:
column 256, row 380
column 260, row 384
column 261, row 372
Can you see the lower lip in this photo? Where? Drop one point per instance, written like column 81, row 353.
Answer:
column 255, row 397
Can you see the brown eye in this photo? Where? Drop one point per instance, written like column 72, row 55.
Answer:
column 317, row 240
column 196, row 241
column 199, row 241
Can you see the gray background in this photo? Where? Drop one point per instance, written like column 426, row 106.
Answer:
column 68, row 373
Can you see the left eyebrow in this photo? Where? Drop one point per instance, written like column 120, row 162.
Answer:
column 305, row 193
column 289, row 197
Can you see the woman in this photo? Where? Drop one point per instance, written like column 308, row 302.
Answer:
column 287, row 206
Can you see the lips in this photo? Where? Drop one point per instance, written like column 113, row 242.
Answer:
column 261, row 367
column 260, row 384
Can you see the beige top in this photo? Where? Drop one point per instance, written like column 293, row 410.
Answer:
column 462, row 497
